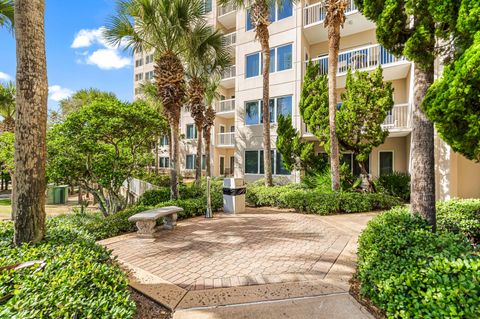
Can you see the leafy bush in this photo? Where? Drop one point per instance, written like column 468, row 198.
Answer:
column 410, row 272
column 395, row 184
column 321, row 181
column 460, row 216
column 154, row 196
column 158, row 196
column 314, row 201
column 78, row 280
column 156, row 179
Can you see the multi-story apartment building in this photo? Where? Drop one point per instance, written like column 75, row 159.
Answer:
column 297, row 35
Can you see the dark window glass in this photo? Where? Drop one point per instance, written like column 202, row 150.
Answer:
column 386, row 163
column 252, row 113
column 286, row 10
column 281, row 170
column 251, row 162
column 284, row 106
column 249, row 24
column 284, row 57
column 253, row 65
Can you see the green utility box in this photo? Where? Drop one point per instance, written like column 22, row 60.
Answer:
column 57, row 194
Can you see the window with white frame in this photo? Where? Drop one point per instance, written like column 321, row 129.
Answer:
column 164, row 140
column 139, row 77
column 352, row 163
column 207, row 5
column 138, row 91
column 276, row 13
column 164, row 162
column 149, row 75
column 254, row 163
column 385, row 162
column 149, row 59
column 280, row 60
column 191, row 161
column 138, row 62
column 191, row 132
column 278, row 106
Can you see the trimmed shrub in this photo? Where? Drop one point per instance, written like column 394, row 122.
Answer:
column 317, row 202
column 78, row 280
column 396, row 184
column 153, row 197
column 410, row 272
column 460, row 216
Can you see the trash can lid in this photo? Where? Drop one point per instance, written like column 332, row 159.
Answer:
column 233, row 182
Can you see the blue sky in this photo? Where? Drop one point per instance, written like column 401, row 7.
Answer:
column 77, row 57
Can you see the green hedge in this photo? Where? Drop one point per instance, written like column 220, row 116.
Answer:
column 410, row 272
column 313, row 201
column 79, row 279
column 396, row 184
column 460, row 216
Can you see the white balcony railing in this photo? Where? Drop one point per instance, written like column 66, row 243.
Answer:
column 362, row 58
column 225, row 9
column 226, row 139
column 398, row 117
column 230, row 39
column 316, row 13
column 228, row 72
column 225, row 106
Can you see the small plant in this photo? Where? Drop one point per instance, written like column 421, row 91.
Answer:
column 395, row 184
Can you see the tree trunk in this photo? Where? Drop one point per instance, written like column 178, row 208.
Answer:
column 363, row 168
column 198, row 160
column 333, row 47
column 31, row 122
column 207, row 150
column 423, row 162
column 263, row 35
column 157, row 160
column 175, row 158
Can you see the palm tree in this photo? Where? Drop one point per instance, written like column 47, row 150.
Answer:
column 260, row 15
column 7, row 13
column 211, row 94
column 333, row 21
column 7, row 107
column 150, row 95
column 207, row 57
column 165, row 26
column 28, row 198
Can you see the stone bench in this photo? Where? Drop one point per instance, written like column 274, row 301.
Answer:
column 147, row 220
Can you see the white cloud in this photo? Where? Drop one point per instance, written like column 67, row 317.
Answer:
column 87, row 37
column 57, row 93
column 5, row 77
column 106, row 56
column 107, row 59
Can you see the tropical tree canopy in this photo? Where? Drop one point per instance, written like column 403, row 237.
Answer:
column 77, row 100
column 101, row 145
column 7, row 151
column 365, row 104
column 6, row 13
column 7, row 106
column 453, row 103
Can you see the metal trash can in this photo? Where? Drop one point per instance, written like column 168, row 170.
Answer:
column 234, row 195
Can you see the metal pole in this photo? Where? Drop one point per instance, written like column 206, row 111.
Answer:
column 208, row 213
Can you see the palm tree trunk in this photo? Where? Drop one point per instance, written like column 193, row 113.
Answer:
column 31, row 122
column 207, row 150
column 175, row 159
column 333, row 47
column 198, row 160
column 423, row 162
column 263, row 35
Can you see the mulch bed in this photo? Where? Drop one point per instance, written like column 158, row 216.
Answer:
column 367, row 303
column 147, row 308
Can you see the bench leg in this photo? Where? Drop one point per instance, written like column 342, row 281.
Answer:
column 170, row 221
column 146, row 228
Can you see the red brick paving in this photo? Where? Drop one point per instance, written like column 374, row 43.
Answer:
column 248, row 249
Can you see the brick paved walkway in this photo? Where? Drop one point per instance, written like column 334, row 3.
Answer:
column 239, row 255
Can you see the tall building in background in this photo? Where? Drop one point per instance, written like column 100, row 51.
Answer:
column 297, row 35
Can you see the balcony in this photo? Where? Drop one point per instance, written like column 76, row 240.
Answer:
column 226, row 108
column 314, row 16
column 226, row 16
column 230, row 39
column 398, row 121
column 228, row 77
column 364, row 59
column 226, row 139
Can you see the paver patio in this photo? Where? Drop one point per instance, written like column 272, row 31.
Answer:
column 259, row 256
